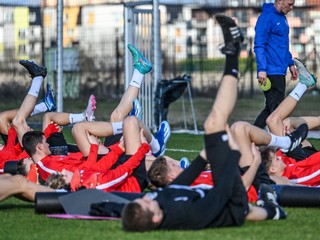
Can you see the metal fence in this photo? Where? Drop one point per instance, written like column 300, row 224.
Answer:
column 94, row 46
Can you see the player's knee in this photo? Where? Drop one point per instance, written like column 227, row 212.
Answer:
column 272, row 119
column 130, row 121
column 47, row 116
column 239, row 127
column 214, row 123
column 76, row 129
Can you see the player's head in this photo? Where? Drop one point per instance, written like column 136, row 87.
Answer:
column 59, row 180
column 24, row 166
column 34, row 141
column 163, row 170
column 143, row 214
column 273, row 163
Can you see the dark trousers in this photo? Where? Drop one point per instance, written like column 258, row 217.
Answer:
column 228, row 192
column 226, row 204
column 273, row 98
column 57, row 139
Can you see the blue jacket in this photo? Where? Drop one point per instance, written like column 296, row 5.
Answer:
column 271, row 42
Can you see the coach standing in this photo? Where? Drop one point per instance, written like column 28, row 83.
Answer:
column 271, row 46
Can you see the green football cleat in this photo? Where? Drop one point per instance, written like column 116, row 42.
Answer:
column 139, row 61
column 305, row 77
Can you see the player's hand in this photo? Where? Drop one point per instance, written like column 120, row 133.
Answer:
column 287, row 129
column 142, row 137
column 262, row 78
column 294, row 73
column 92, row 139
column 255, row 153
column 121, row 144
column 232, row 143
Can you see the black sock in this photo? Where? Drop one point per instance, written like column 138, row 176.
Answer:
column 271, row 210
column 232, row 63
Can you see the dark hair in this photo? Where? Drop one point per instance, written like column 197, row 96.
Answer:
column 266, row 157
column 56, row 181
column 21, row 168
column 30, row 140
column 135, row 219
column 158, row 172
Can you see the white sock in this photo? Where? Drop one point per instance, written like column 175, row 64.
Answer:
column 35, row 86
column 136, row 79
column 76, row 117
column 280, row 142
column 117, row 127
column 39, row 108
column 154, row 145
column 298, row 91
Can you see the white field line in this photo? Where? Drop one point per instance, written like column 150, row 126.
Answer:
column 181, row 150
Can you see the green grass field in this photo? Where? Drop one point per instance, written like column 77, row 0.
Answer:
column 18, row 220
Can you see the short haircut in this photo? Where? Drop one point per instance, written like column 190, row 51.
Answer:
column 266, row 157
column 158, row 172
column 30, row 140
column 56, row 181
column 135, row 219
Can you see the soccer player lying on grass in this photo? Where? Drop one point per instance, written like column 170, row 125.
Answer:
column 99, row 174
column 279, row 123
column 19, row 123
column 162, row 171
column 179, row 206
column 114, row 128
column 12, row 149
column 282, row 166
column 51, row 132
column 36, row 145
column 284, row 170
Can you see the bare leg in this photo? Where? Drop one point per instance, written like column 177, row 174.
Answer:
column 256, row 213
column 274, row 121
column 131, row 135
column 6, row 118
column 19, row 187
column 125, row 105
column 61, row 119
column 19, row 121
column 223, row 105
column 306, row 80
column 245, row 134
column 294, row 122
column 141, row 67
column 98, row 129
column 37, row 73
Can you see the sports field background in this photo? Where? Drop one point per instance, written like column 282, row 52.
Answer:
column 18, row 220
